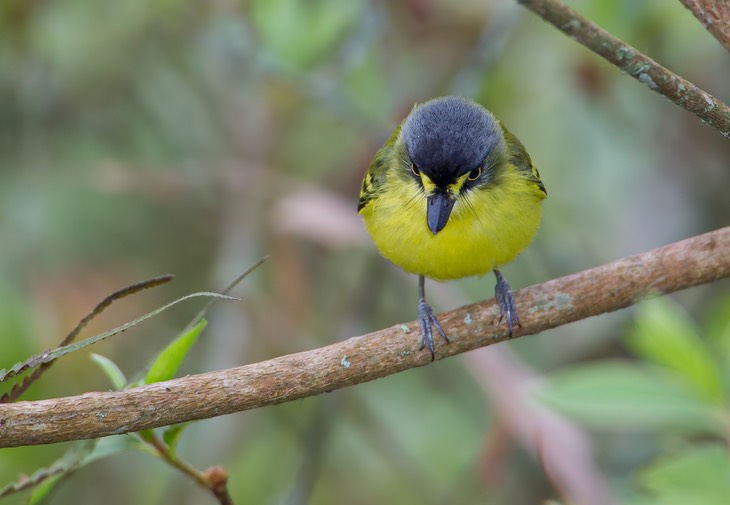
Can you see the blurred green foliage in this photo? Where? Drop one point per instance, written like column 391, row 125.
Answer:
column 140, row 138
column 168, row 361
column 677, row 391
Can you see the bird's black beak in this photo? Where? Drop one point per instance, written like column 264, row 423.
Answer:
column 438, row 211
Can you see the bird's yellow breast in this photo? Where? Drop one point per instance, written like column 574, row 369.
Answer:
column 488, row 227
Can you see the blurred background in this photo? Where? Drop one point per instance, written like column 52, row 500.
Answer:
column 192, row 137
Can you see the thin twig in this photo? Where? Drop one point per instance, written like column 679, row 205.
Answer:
column 639, row 66
column 714, row 16
column 610, row 287
column 156, row 442
column 202, row 312
column 209, row 480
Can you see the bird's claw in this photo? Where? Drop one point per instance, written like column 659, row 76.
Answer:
column 426, row 319
column 506, row 301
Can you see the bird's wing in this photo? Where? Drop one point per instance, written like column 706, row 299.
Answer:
column 522, row 161
column 375, row 176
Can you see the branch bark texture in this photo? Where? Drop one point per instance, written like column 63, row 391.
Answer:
column 714, row 16
column 560, row 301
column 639, row 66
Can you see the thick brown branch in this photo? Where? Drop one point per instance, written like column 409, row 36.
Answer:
column 360, row 359
column 680, row 91
column 714, row 16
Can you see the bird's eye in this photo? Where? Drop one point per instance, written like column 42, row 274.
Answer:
column 474, row 174
column 415, row 170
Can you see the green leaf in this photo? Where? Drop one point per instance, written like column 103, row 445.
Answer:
column 620, row 396
column 42, row 490
column 700, row 475
column 112, row 371
column 169, row 360
column 717, row 324
column 724, row 345
column 665, row 335
column 716, row 319
column 109, row 446
column 146, row 435
column 171, row 436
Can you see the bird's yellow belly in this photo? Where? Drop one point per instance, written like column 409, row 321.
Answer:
column 482, row 233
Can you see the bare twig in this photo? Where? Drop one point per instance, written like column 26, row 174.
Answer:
column 714, row 16
column 202, row 312
column 680, row 91
column 560, row 301
column 215, row 479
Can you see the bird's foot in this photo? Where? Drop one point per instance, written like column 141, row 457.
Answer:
column 426, row 318
column 506, row 301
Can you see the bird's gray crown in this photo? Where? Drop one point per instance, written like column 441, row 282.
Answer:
column 450, row 136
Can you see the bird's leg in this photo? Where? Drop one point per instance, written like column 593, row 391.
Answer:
column 426, row 318
column 506, row 301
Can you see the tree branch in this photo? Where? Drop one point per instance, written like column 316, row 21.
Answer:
column 642, row 68
column 714, row 16
column 560, row 301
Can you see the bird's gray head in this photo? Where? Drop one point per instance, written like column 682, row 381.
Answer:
column 449, row 141
column 447, row 137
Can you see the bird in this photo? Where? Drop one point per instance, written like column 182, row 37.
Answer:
column 452, row 193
